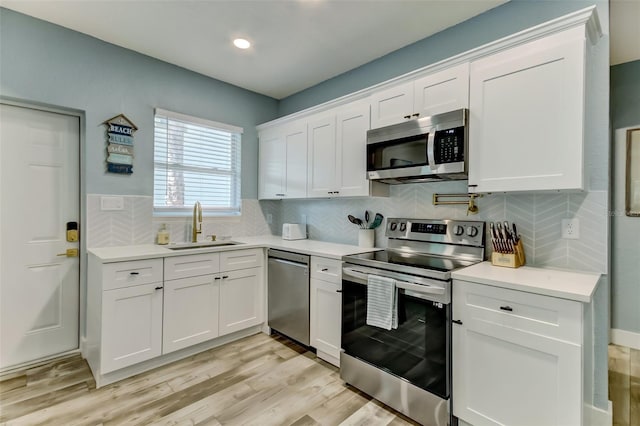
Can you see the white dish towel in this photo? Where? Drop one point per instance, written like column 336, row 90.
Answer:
column 382, row 302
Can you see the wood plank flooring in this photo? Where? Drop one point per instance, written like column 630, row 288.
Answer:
column 624, row 385
column 259, row 380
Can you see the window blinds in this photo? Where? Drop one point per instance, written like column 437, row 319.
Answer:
column 195, row 160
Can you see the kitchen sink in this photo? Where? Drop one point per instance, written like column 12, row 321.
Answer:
column 202, row 244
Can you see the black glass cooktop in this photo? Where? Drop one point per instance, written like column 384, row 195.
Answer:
column 411, row 259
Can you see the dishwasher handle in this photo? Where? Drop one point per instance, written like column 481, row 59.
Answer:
column 288, row 262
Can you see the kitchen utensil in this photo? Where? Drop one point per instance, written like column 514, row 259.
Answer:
column 515, row 233
column 354, row 220
column 367, row 218
column 377, row 220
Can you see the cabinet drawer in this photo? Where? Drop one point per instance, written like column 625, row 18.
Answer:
column 191, row 265
column 127, row 274
column 241, row 259
column 325, row 269
column 533, row 313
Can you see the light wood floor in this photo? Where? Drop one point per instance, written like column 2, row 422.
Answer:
column 259, row 380
column 624, row 385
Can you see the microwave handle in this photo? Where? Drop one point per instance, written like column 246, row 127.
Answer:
column 430, row 149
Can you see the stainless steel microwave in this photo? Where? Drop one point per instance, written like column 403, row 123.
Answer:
column 427, row 149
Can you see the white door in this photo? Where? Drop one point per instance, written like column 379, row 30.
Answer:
column 241, row 299
column 321, row 177
column 39, row 182
column 392, row 106
column 351, row 161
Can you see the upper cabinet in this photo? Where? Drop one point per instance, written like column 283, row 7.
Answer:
column 434, row 93
column 337, row 149
column 283, row 162
column 527, row 116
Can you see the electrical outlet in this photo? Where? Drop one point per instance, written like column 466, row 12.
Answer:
column 571, row 229
column 269, row 218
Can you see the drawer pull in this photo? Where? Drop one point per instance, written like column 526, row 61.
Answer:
column 324, row 269
column 338, row 291
column 506, row 308
column 217, row 278
column 158, row 288
column 225, row 276
column 456, row 322
column 134, row 273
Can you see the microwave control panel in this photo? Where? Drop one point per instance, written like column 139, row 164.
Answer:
column 449, row 145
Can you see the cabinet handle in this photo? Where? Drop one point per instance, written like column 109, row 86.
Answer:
column 159, row 288
column 336, row 192
column 456, row 322
column 324, row 269
column 338, row 291
column 417, row 114
column 217, row 278
column 134, row 273
column 225, row 276
column 406, row 117
column 506, row 308
column 279, row 195
column 329, row 192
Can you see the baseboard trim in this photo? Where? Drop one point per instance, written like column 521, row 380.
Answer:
column 624, row 338
column 597, row 417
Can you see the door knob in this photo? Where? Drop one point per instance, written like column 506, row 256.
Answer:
column 72, row 252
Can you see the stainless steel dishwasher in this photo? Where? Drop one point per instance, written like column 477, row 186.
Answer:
column 288, row 294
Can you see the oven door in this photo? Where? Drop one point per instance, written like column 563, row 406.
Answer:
column 418, row 350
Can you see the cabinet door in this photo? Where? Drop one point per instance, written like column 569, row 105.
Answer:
column 321, row 176
column 296, row 160
column 351, row 144
column 391, row 106
column 527, row 117
column 326, row 319
column 506, row 376
column 131, row 326
column 443, row 91
column 241, row 299
column 272, row 165
column 190, row 311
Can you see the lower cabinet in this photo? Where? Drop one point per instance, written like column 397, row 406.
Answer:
column 190, row 311
column 132, row 325
column 241, row 299
column 325, row 308
column 133, row 315
column 517, row 357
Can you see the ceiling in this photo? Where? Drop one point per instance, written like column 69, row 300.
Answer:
column 295, row 43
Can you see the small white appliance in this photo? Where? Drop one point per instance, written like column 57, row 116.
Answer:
column 294, row 231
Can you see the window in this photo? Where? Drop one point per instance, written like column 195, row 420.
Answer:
column 195, row 160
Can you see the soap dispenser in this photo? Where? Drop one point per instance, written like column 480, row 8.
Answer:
column 163, row 235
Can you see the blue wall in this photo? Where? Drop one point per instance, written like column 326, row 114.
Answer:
column 49, row 64
column 625, row 248
column 496, row 23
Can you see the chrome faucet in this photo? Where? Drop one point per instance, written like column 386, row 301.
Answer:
column 197, row 222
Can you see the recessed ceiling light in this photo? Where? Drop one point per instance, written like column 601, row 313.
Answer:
column 241, row 43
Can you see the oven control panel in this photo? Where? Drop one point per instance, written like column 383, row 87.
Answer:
column 461, row 232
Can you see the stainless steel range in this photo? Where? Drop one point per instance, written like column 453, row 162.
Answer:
column 396, row 314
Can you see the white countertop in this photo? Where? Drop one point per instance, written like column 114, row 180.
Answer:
column 578, row 286
column 149, row 251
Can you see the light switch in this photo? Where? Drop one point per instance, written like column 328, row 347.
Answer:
column 111, row 203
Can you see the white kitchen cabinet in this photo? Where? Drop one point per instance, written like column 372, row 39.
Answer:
column 326, row 308
column 190, row 311
column 517, row 357
column 337, row 151
column 283, row 162
column 241, row 299
column 527, row 116
column 132, row 325
column 124, row 313
column 438, row 92
column 242, row 294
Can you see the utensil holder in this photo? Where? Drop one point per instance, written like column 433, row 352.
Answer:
column 366, row 238
column 510, row 260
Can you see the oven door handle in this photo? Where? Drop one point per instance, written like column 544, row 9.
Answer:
column 405, row 285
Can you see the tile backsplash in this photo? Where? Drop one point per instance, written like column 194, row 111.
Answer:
column 134, row 222
column 538, row 217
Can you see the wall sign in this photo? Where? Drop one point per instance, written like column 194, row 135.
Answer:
column 120, row 144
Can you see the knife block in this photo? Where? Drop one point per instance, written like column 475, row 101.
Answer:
column 510, row 260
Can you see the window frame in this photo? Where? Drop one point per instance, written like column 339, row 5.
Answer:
column 231, row 211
